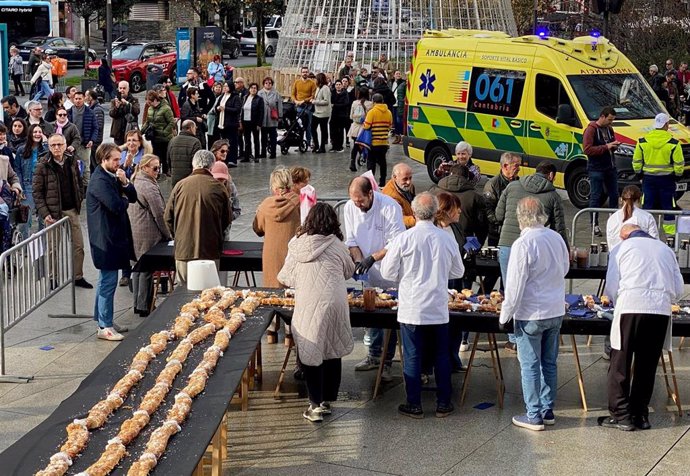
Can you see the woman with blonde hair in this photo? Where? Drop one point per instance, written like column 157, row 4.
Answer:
column 629, row 214
column 148, row 226
column 277, row 219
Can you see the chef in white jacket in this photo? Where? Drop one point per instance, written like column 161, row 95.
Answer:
column 643, row 279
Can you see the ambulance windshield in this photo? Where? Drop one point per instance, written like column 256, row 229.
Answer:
column 628, row 94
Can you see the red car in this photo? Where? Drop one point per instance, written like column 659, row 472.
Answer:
column 131, row 58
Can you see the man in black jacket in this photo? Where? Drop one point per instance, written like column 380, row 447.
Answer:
column 124, row 110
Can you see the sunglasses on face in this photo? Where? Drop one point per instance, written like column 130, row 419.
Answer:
column 223, row 151
column 61, row 115
column 156, row 168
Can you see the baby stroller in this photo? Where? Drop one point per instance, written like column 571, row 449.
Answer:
column 9, row 218
column 293, row 135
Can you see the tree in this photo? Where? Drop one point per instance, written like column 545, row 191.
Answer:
column 650, row 32
column 524, row 13
column 261, row 10
column 89, row 9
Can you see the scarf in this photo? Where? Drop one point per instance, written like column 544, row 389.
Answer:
column 221, row 119
column 59, row 126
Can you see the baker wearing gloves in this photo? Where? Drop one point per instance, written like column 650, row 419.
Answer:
column 422, row 260
column 538, row 263
column 372, row 220
column 643, row 279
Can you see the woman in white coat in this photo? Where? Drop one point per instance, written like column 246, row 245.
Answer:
column 317, row 265
column 629, row 214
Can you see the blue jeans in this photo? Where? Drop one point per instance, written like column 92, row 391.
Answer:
column 397, row 122
column 306, row 120
column 537, row 346
column 658, row 192
column 503, row 258
column 375, row 349
column 44, row 90
column 598, row 180
column 105, row 294
column 415, row 338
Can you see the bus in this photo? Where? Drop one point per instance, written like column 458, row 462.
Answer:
column 25, row 19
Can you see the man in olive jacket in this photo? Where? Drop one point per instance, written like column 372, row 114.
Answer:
column 197, row 214
column 181, row 149
column 58, row 191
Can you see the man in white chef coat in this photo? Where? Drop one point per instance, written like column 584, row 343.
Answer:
column 422, row 260
column 372, row 220
column 535, row 288
column 643, row 280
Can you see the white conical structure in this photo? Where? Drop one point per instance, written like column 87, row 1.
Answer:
column 318, row 34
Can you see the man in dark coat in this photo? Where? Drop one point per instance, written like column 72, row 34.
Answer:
column 197, row 214
column 110, row 234
column 124, row 110
column 57, row 192
column 181, row 149
column 81, row 115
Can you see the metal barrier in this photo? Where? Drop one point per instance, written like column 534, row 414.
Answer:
column 32, row 272
column 660, row 213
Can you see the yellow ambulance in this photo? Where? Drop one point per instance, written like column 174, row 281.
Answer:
column 532, row 95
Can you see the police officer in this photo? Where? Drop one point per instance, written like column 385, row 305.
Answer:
column 659, row 158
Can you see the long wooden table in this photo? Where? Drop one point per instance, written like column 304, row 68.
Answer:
column 203, row 426
column 487, row 323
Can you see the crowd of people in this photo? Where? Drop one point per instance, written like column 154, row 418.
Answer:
column 394, row 235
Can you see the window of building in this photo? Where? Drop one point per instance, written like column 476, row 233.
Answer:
column 150, row 10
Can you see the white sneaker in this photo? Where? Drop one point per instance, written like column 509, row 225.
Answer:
column 464, row 347
column 109, row 333
column 369, row 363
column 386, row 374
column 313, row 414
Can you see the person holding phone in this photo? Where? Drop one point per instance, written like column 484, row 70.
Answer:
column 600, row 144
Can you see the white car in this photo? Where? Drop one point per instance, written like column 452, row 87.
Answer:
column 248, row 42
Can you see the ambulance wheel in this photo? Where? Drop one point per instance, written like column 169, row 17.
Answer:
column 578, row 187
column 284, row 150
column 434, row 158
column 303, row 147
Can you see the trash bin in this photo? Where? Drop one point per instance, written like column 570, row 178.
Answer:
column 153, row 75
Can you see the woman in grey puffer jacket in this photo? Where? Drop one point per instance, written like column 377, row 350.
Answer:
column 273, row 111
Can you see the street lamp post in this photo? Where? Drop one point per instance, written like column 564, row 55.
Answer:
column 109, row 32
column 534, row 25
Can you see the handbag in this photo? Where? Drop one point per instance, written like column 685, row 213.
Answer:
column 22, row 213
column 364, row 139
column 148, row 132
column 274, row 114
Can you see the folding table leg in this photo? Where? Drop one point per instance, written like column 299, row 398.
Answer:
column 216, row 452
column 236, row 279
column 384, row 353
column 281, row 376
column 589, row 341
column 580, row 378
column 245, row 390
column 466, row 381
column 498, row 371
column 680, row 344
column 672, row 392
column 199, row 470
column 259, row 363
column 224, row 436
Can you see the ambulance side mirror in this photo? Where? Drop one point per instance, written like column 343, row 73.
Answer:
column 566, row 115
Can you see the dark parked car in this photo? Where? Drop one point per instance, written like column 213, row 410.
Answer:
column 64, row 47
column 231, row 46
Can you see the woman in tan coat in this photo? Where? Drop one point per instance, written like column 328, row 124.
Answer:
column 277, row 219
column 317, row 265
column 148, row 226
